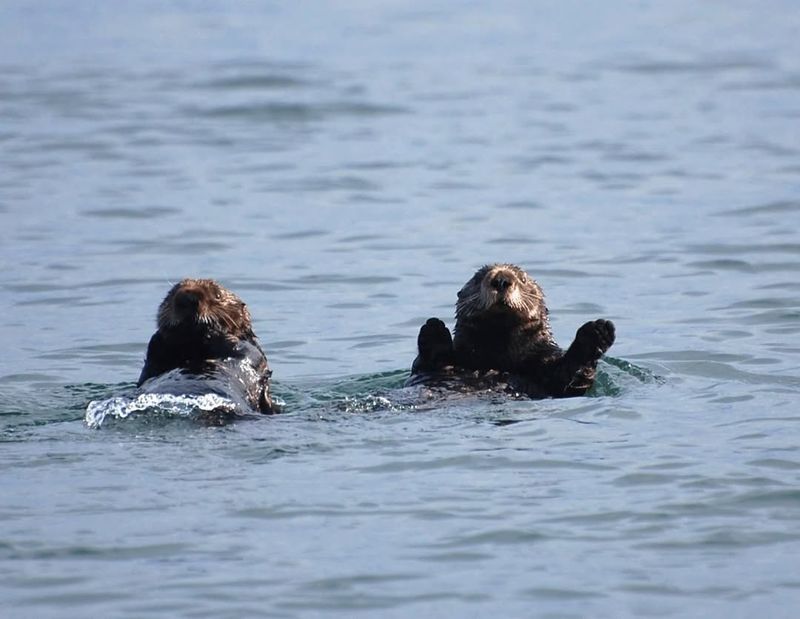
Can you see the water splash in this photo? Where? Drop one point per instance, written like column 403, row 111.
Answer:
column 369, row 403
column 614, row 376
column 189, row 406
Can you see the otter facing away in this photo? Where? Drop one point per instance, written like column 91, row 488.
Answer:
column 205, row 344
column 502, row 334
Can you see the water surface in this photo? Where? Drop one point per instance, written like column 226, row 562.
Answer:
column 345, row 169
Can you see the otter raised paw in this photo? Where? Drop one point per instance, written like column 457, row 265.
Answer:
column 594, row 338
column 435, row 347
column 573, row 373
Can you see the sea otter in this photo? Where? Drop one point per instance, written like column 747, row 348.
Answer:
column 205, row 344
column 503, row 335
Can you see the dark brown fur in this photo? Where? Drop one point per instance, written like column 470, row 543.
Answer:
column 200, row 325
column 502, row 325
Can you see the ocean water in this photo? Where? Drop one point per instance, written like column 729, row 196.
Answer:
column 345, row 167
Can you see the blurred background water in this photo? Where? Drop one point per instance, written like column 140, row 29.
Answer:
column 345, row 167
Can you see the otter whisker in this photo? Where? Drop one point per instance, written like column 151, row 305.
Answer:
column 470, row 305
column 228, row 322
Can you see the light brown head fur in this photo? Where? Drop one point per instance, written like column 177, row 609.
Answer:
column 203, row 303
column 501, row 288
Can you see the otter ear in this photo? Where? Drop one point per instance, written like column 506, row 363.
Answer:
column 465, row 289
column 475, row 280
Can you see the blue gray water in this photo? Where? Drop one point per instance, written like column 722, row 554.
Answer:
column 345, row 167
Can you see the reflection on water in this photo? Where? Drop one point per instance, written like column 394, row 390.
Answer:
column 344, row 168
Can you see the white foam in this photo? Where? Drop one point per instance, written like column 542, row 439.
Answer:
column 182, row 405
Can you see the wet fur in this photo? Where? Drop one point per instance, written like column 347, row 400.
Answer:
column 202, row 327
column 502, row 327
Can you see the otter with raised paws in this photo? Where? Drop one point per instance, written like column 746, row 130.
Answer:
column 205, row 344
column 502, row 328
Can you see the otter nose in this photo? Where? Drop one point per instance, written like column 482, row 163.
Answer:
column 500, row 283
column 187, row 301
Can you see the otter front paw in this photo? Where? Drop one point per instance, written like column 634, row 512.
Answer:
column 435, row 347
column 434, row 339
column 595, row 337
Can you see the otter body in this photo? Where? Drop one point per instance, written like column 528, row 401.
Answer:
column 205, row 344
column 502, row 334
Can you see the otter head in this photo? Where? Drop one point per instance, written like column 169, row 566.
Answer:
column 204, row 304
column 502, row 290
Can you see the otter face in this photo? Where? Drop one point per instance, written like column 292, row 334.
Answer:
column 204, row 303
column 501, row 289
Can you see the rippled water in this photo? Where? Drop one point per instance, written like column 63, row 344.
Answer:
column 345, row 168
